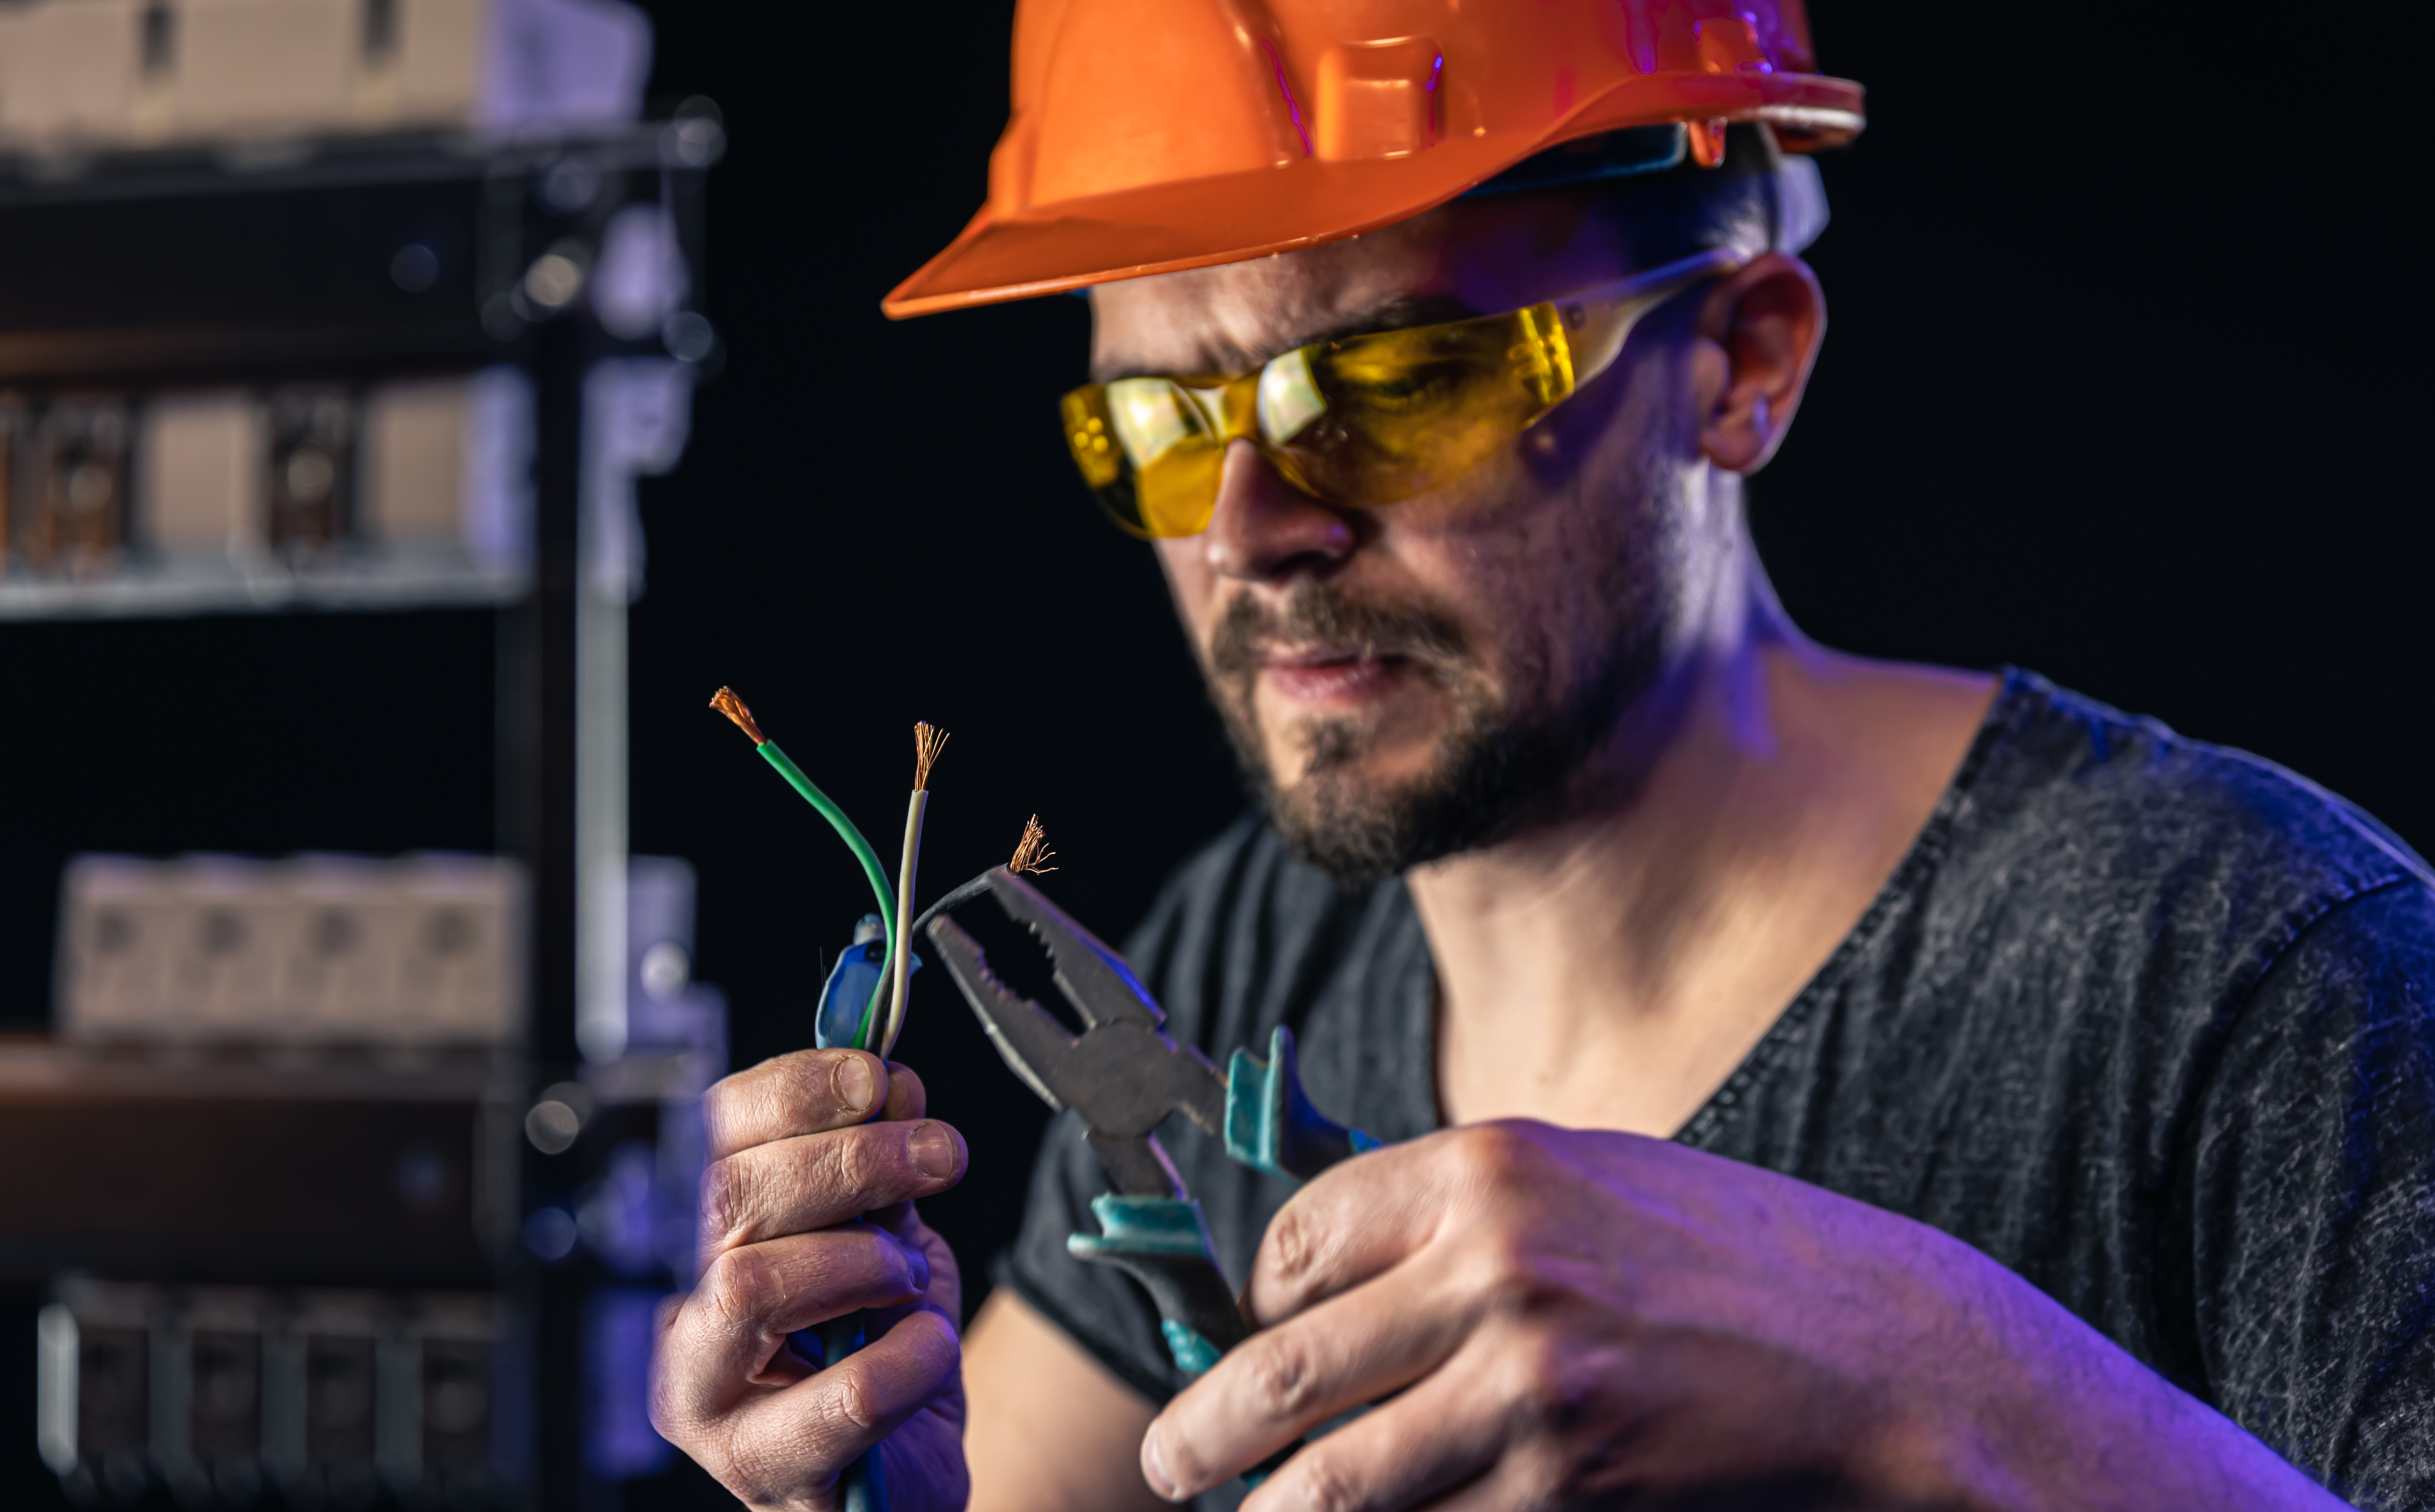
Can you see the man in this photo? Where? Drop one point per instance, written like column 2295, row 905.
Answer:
column 1809, row 1082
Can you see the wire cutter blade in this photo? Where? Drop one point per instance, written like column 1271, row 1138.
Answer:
column 1122, row 1072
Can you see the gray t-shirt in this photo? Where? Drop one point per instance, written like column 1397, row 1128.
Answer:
column 2146, row 1020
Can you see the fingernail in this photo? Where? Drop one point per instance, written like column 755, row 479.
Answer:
column 1154, row 1468
column 854, row 1080
column 933, row 1148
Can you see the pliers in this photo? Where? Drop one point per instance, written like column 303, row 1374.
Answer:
column 1124, row 1076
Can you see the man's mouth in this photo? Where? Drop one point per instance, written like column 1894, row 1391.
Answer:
column 1325, row 652
column 1322, row 675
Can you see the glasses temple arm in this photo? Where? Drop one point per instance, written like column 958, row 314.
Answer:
column 1597, row 321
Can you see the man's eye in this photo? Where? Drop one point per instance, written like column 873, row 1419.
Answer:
column 1400, row 386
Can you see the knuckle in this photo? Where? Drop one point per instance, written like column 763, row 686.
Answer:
column 721, row 1094
column 761, row 1467
column 1492, row 1158
column 800, row 1096
column 669, row 1418
column 1554, row 1389
column 849, row 1399
column 1544, row 1475
column 662, row 1412
column 1541, row 1391
column 853, row 1161
column 726, row 1198
column 1283, row 1382
column 1295, row 1246
column 1329, row 1485
column 1505, row 1274
column 734, row 1284
column 722, row 1106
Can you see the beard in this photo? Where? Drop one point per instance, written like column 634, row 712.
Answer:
column 1502, row 766
column 1524, row 725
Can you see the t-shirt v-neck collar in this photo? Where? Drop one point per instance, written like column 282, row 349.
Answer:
column 1918, row 864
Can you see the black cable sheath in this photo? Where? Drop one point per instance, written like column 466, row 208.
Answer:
column 961, row 894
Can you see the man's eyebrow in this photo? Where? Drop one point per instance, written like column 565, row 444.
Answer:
column 1394, row 314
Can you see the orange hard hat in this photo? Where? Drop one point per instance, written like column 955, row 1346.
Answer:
column 1151, row 135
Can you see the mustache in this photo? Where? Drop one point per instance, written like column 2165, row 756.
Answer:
column 1327, row 615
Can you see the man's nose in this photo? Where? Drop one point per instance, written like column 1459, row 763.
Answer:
column 1265, row 529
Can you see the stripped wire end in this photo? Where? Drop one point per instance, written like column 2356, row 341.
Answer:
column 928, row 741
column 1033, row 849
column 726, row 702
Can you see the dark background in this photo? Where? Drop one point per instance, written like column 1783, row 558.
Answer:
column 2119, row 388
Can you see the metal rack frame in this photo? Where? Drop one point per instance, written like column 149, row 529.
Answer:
column 271, row 264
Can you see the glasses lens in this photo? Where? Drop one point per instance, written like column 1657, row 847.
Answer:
column 1408, row 411
column 1175, row 453
column 1367, row 421
column 1148, row 451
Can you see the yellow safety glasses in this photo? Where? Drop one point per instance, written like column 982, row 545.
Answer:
column 1363, row 421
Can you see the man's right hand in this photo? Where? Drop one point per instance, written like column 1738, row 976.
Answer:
column 792, row 1162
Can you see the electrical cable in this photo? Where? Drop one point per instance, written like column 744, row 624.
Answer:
column 928, row 741
column 1033, row 849
column 726, row 702
column 1030, row 853
column 874, row 1031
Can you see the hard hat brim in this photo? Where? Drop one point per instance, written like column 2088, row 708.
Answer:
column 1234, row 217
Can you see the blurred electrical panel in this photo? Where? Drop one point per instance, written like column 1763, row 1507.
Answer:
column 309, row 500
column 220, row 1394
column 63, row 503
column 421, row 952
column 444, row 470
column 87, row 74
column 413, row 489
column 292, row 1175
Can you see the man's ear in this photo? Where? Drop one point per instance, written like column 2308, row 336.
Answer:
column 1759, row 333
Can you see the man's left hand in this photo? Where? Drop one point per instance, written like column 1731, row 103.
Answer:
column 1552, row 1318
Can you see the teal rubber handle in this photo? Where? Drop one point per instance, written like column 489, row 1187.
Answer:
column 1270, row 1124
column 1162, row 1241
column 1163, row 1244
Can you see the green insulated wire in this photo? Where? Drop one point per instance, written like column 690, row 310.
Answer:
column 726, row 702
column 870, row 868
column 829, row 810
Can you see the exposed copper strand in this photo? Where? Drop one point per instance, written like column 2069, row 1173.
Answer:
column 726, row 702
column 1033, row 849
column 928, row 741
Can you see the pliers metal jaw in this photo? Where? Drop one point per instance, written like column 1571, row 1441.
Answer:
column 1125, row 1076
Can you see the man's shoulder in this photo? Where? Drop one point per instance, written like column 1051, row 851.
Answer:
column 2062, row 783
column 2082, row 843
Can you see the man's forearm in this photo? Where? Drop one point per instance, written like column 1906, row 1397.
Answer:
column 2070, row 1420
column 1049, row 1430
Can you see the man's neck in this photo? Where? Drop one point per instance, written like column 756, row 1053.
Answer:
column 1610, row 969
